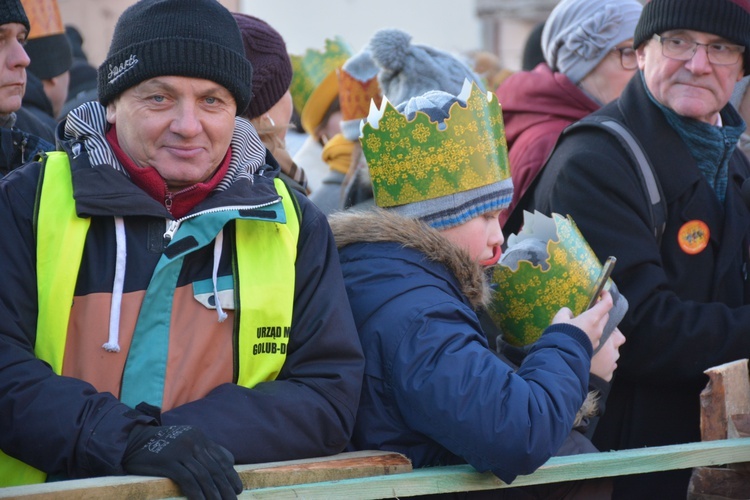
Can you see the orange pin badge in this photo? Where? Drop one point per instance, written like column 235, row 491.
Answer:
column 693, row 237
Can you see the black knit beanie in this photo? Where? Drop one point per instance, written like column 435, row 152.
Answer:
column 194, row 38
column 728, row 19
column 11, row 11
column 272, row 68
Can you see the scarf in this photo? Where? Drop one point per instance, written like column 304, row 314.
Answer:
column 88, row 125
column 337, row 153
column 711, row 146
column 178, row 203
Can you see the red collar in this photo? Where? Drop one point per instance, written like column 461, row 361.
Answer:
column 178, row 203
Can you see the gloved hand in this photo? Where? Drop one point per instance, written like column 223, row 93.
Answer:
column 200, row 467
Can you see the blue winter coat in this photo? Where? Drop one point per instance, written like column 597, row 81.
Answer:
column 433, row 390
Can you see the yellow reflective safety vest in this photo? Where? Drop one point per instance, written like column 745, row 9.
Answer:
column 268, row 248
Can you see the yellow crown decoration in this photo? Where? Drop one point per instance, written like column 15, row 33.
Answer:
column 315, row 83
column 528, row 296
column 418, row 160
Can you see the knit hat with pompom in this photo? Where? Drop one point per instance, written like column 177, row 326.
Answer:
column 407, row 70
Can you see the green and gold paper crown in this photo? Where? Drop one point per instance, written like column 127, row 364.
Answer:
column 314, row 81
column 417, row 160
column 526, row 299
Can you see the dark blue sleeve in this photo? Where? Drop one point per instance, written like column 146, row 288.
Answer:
column 57, row 424
column 452, row 388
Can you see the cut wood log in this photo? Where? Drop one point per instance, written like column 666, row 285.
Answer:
column 725, row 414
column 726, row 394
column 713, row 483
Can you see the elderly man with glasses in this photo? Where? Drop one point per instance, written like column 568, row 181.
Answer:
column 688, row 290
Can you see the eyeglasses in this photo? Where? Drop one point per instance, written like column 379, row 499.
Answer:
column 679, row 49
column 628, row 59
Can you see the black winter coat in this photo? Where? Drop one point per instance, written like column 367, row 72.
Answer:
column 687, row 312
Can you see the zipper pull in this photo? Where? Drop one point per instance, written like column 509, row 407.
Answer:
column 172, row 227
column 168, row 201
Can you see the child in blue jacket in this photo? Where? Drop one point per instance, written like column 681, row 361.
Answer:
column 414, row 270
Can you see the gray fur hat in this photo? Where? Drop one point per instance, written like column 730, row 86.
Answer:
column 407, row 70
column 535, row 251
column 578, row 34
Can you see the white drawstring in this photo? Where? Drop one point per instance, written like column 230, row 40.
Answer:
column 112, row 345
column 218, row 245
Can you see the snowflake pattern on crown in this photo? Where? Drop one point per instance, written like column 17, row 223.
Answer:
column 525, row 301
column 312, row 68
column 412, row 161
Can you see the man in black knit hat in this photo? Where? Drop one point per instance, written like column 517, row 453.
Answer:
column 684, row 272
column 169, row 307
column 21, row 134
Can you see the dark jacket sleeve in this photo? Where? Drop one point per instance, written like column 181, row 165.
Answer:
column 310, row 409
column 57, row 424
column 686, row 313
column 449, row 386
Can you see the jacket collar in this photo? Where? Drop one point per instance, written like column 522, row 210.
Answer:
column 381, row 226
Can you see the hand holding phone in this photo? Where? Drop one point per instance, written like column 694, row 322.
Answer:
column 609, row 264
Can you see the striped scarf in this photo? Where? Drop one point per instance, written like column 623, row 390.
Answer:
column 88, row 124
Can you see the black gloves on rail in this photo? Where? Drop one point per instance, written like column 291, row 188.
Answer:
column 200, row 467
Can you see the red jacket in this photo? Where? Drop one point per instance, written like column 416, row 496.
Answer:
column 537, row 106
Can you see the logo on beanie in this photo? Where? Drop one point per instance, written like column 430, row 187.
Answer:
column 115, row 72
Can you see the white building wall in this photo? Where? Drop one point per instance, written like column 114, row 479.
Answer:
column 451, row 25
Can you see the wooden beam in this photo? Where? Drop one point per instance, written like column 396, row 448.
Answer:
column 446, row 479
column 390, row 481
column 342, row 466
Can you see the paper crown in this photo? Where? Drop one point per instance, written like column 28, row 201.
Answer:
column 528, row 294
column 355, row 95
column 44, row 18
column 315, row 83
column 47, row 46
column 418, row 160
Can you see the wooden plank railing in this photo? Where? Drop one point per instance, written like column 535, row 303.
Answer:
column 372, row 475
column 457, row 478
column 722, row 458
column 357, row 464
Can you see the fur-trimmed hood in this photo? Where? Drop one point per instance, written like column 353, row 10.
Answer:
column 378, row 225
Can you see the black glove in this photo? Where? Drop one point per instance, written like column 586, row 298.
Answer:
column 200, row 467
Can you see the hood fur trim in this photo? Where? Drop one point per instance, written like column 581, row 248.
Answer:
column 589, row 409
column 380, row 226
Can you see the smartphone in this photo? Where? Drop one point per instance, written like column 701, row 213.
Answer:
column 609, row 264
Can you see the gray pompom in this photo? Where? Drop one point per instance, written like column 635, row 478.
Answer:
column 389, row 48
